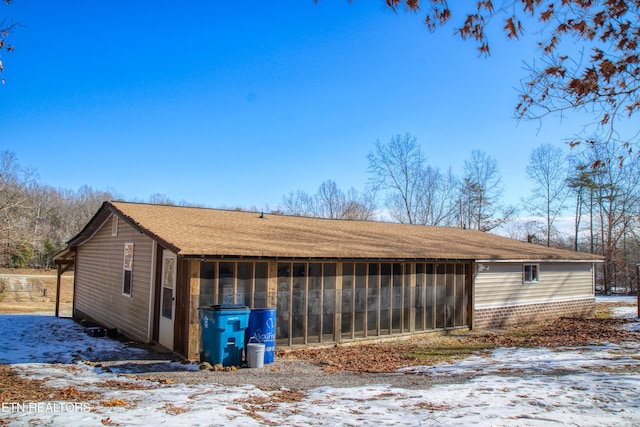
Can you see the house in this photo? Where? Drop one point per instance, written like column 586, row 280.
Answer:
column 146, row 269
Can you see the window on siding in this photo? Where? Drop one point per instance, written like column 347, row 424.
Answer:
column 531, row 273
column 127, row 269
column 114, row 225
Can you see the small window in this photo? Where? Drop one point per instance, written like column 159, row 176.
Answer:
column 127, row 269
column 114, row 225
column 126, row 286
column 531, row 273
column 167, row 303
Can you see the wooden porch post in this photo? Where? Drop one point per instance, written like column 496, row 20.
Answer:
column 62, row 265
column 59, row 268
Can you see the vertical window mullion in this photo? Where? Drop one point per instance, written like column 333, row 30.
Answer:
column 423, row 295
column 391, row 280
column 321, row 297
column 252, row 285
column 406, row 283
column 216, row 283
column 379, row 303
column 305, row 298
column 353, row 302
column 234, row 283
column 290, row 296
column 365, row 320
column 403, row 285
column 455, row 292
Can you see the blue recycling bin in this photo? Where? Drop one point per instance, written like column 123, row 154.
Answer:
column 262, row 329
column 223, row 328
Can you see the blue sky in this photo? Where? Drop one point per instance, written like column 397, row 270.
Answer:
column 235, row 104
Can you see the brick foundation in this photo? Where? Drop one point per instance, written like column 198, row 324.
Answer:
column 532, row 313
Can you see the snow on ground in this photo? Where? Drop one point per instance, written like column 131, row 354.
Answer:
column 587, row 386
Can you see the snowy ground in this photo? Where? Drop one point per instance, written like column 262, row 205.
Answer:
column 587, row 386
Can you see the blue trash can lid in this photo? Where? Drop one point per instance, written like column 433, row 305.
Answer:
column 226, row 307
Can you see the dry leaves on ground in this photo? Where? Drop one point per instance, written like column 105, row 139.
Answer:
column 254, row 405
column 562, row 333
column 17, row 388
column 358, row 357
column 388, row 357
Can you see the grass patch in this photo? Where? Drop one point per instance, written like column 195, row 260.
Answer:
column 519, row 334
column 603, row 311
column 445, row 352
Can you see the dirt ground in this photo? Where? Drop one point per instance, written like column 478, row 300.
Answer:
column 34, row 291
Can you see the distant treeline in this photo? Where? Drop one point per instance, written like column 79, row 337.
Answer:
column 598, row 189
column 36, row 219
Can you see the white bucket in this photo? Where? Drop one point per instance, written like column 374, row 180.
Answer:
column 255, row 355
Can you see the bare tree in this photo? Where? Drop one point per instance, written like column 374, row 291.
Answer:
column 331, row 202
column 46, row 225
column 608, row 192
column 13, row 181
column 83, row 204
column 161, row 199
column 548, row 170
column 14, row 204
column 360, row 205
column 415, row 192
column 617, row 190
column 298, row 203
column 437, row 203
column 35, row 219
column 481, row 193
column 398, row 167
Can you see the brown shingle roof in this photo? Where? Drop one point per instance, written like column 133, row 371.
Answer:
column 213, row 232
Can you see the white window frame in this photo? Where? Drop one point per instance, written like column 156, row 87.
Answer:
column 127, row 269
column 529, row 276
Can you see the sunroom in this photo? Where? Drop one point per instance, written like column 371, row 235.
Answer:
column 337, row 301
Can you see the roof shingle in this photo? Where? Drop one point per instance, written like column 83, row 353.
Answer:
column 212, row 232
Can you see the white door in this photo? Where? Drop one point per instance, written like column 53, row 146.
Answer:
column 167, row 299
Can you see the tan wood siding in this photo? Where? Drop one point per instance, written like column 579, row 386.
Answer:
column 195, row 331
column 99, row 279
column 500, row 284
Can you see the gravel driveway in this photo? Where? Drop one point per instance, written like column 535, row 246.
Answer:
column 289, row 374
